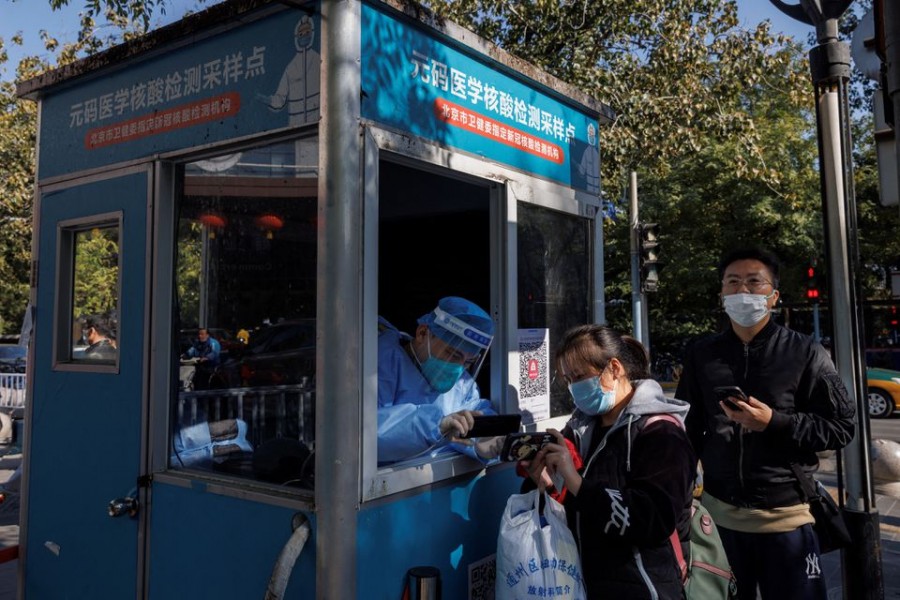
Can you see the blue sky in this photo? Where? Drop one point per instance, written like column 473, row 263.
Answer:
column 29, row 16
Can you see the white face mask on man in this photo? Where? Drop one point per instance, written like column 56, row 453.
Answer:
column 747, row 309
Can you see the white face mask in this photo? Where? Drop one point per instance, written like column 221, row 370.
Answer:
column 746, row 309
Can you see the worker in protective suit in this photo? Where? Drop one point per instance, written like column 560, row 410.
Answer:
column 427, row 395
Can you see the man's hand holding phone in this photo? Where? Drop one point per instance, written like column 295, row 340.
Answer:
column 745, row 410
column 729, row 395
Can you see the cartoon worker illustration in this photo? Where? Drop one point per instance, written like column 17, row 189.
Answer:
column 589, row 166
column 299, row 88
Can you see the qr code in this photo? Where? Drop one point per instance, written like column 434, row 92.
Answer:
column 482, row 575
column 533, row 369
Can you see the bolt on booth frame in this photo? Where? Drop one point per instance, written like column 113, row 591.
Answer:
column 291, row 177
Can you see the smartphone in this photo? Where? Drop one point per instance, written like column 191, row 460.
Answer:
column 494, row 425
column 726, row 392
column 523, row 446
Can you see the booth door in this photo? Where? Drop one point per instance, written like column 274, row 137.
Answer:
column 84, row 422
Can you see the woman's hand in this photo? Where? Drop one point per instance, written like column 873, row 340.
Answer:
column 537, row 472
column 559, row 464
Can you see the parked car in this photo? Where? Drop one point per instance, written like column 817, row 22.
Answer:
column 12, row 358
column 280, row 354
column 883, row 391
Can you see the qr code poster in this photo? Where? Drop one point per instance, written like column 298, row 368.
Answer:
column 534, row 374
column 482, row 576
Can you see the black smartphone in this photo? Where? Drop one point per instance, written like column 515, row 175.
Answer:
column 494, row 425
column 523, row 446
column 725, row 393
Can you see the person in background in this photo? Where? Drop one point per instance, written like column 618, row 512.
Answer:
column 426, row 382
column 98, row 334
column 622, row 467
column 205, row 349
column 795, row 405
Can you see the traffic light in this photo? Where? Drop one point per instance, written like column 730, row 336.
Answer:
column 812, row 284
column 649, row 247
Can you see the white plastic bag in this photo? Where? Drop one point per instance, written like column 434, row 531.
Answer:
column 535, row 561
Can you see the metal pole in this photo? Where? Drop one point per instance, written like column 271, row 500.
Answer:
column 830, row 66
column 817, row 334
column 891, row 20
column 638, row 308
column 339, row 305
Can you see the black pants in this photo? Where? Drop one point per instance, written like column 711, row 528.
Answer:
column 785, row 566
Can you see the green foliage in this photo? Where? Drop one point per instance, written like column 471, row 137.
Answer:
column 717, row 121
column 96, row 280
column 187, row 277
column 17, row 141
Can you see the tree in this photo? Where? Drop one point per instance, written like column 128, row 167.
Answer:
column 717, row 121
column 18, row 136
column 17, row 141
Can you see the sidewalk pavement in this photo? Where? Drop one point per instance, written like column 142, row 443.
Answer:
column 887, row 502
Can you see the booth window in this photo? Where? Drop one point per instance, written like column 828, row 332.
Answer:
column 555, row 283
column 434, row 241
column 245, row 318
column 89, row 291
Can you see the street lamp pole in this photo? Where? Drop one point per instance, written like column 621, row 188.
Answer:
column 830, row 69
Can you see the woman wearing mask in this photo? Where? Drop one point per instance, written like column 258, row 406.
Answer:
column 627, row 472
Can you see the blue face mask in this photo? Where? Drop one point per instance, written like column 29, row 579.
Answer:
column 441, row 375
column 591, row 398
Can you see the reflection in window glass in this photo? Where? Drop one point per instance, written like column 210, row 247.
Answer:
column 95, row 295
column 245, row 281
column 555, row 284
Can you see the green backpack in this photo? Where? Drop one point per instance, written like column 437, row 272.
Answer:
column 706, row 573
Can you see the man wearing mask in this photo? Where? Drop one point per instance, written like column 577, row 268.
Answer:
column 427, row 393
column 794, row 406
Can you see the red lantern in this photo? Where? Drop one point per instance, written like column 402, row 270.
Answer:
column 270, row 222
column 213, row 220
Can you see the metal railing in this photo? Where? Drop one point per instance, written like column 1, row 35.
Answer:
column 12, row 390
column 270, row 412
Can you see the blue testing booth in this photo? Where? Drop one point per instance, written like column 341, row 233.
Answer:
column 271, row 183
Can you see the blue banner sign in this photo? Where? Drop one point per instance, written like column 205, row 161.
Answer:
column 418, row 83
column 254, row 78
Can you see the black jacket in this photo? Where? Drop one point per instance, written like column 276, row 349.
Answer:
column 636, row 489
column 811, row 412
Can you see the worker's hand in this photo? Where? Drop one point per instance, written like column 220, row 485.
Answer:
column 489, row 447
column 459, row 423
column 753, row 414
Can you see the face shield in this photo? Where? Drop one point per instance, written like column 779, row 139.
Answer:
column 457, row 342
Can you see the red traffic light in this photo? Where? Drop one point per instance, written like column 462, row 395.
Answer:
column 811, row 272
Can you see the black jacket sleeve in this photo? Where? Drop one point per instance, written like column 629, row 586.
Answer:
column 825, row 415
